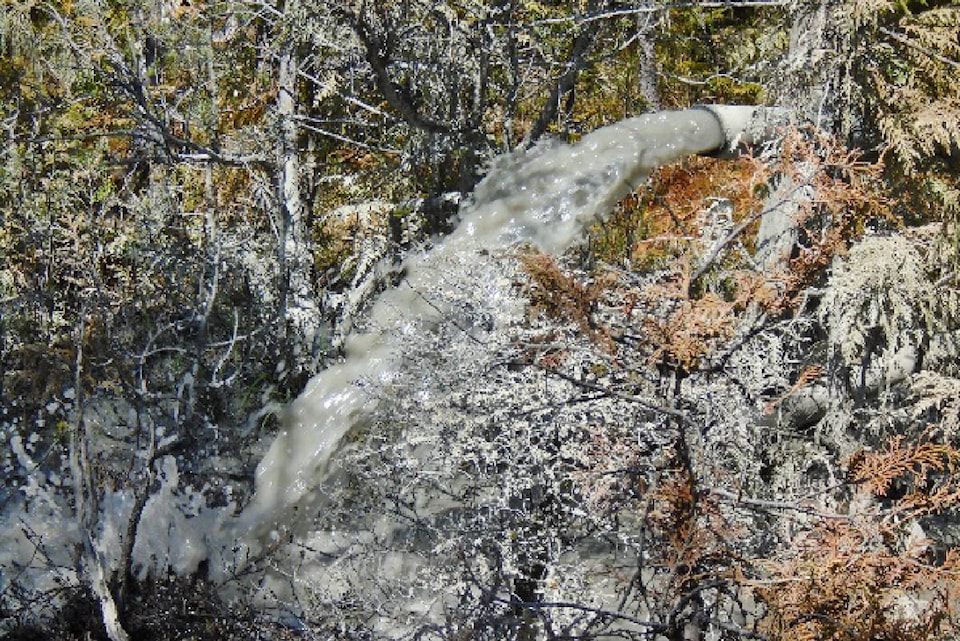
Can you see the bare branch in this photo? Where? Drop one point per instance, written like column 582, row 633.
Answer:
column 902, row 39
column 376, row 54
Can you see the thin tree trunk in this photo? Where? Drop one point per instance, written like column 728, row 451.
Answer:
column 648, row 63
column 567, row 81
column 87, row 507
column 299, row 299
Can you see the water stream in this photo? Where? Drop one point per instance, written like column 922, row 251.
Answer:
column 421, row 367
column 545, row 197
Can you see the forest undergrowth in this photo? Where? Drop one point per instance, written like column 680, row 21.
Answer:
column 730, row 413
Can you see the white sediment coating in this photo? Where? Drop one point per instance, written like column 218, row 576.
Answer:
column 544, row 197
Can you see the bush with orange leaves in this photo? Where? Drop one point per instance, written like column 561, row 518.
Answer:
column 697, row 301
column 864, row 570
column 872, row 573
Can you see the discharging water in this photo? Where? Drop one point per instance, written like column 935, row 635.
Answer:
column 545, row 197
column 452, row 298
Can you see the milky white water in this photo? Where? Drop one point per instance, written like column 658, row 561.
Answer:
column 544, row 197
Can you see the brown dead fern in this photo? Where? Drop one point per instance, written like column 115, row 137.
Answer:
column 680, row 330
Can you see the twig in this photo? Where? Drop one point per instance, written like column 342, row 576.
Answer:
column 351, row 99
column 377, row 55
column 542, row 605
column 346, row 140
column 946, row 279
column 729, row 239
column 902, row 39
column 85, row 493
column 650, row 405
column 706, row 4
column 215, row 380
column 763, row 504
column 705, row 81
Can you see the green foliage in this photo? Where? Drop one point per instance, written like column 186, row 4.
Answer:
column 911, row 68
column 719, row 55
column 109, row 248
column 896, row 92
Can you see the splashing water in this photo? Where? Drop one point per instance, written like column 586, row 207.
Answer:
column 545, row 197
column 461, row 290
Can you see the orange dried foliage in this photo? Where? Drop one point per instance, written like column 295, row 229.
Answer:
column 873, row 574
column 674, row 512
column 561, row 296
column 682, row 330
column 359, row 160
column 690, row 332
column 925, row 471
column 843, row 585
column 680, row 192
column 848, row 195
column 681, row 323
column 769, row 293
column 696, row 535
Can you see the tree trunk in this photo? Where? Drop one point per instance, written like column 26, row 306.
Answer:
column 299, row 301
column 647, row 29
